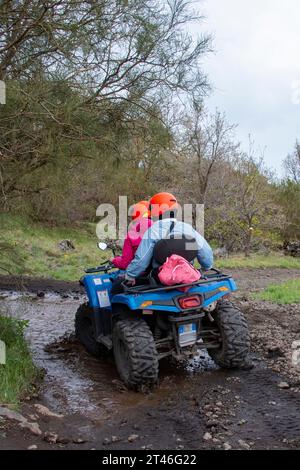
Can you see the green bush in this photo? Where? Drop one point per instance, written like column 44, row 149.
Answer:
column 19, row 373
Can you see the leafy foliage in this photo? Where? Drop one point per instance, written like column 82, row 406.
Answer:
column 19, row 373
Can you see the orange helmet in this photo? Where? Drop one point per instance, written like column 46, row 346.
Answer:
column 140, row 209
column 161, row 203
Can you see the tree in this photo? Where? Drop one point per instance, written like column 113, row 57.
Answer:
column 292, row 164
column 87, row 81
column 207, row 142
column 288, row 197
column 112, row 49
column 245, row 214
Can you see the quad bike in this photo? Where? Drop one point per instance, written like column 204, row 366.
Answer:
column 149, row 321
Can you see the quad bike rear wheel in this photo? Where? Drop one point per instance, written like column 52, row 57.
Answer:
column 85, row 331
column 235, row 347
column 135, row 353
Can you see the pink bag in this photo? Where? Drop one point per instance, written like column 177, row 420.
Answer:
column 177, row 270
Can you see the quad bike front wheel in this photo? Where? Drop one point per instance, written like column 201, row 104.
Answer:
column 135, row 353
column 235, row 346
column 85, row 331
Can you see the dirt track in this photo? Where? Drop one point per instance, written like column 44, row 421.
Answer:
column 196, row 407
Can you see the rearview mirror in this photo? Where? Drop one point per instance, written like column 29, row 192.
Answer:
column 102, row 246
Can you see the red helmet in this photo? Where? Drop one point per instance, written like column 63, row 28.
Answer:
column 161, row 203
column 140, row 209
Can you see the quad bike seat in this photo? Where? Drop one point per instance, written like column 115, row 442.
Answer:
column 185, row 247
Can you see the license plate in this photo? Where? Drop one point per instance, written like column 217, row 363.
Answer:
column 187, row 334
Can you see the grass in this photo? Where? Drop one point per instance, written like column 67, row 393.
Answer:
column 284, row 294
column 33, row 249
column 257, row 261
column 19, row 373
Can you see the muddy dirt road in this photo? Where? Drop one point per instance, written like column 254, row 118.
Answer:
column 196, row 406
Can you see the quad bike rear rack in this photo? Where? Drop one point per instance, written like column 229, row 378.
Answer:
column 217, row 277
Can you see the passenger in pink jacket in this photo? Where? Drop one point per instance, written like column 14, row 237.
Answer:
column 139, row 225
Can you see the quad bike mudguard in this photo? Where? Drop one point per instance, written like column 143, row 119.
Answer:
column 98, row 289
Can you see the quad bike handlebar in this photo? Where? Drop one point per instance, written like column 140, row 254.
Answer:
column 104, row 267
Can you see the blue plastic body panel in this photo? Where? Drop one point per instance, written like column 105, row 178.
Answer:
column 96, row 284
column 134, row 302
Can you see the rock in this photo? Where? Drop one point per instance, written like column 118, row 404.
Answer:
column 283, row 385
column 79, row 440
column 227, row 446
column 242, row 422
column 12, row 415
column 43, row 410
column 106, row 441
column 66, row 245
column 50, row 437
column 115, row 439
column 32, row 427
column 33, row 447
column 40, row 294
column 133, row 437
column 63, row 440
column 211, row 424
column 23, row 422
column 207, row 436
column 244, row 445
column 32, row 417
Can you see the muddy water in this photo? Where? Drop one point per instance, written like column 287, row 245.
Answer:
column 74, row 380
column 246, row 405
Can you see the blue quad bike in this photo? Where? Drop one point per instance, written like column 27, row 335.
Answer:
column 149, row 322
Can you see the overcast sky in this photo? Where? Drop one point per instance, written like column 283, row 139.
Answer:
column 255, row 70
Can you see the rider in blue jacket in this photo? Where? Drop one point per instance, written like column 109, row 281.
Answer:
column 163, row 209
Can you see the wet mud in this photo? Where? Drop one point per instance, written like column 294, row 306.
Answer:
column 195, row 406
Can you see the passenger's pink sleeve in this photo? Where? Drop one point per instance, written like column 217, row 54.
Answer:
column 123, row 261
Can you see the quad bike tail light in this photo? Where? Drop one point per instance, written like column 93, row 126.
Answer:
column 190, row 302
